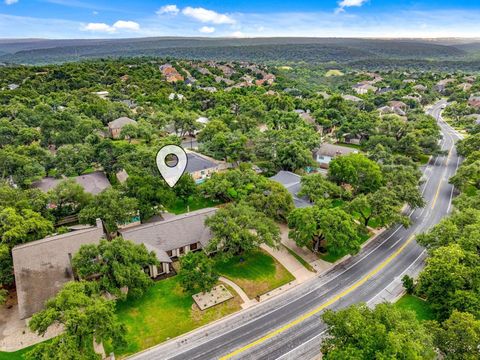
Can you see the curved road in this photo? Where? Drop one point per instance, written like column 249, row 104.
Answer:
column 289, row 326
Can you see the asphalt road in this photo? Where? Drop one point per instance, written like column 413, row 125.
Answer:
column 289, row 325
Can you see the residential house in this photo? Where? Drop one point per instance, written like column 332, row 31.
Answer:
column 465, row 86
column 474, row 101
column 172, row 238
column 210, row 89
column 170, row 73
column 292, row 182
column 327, row 152
column 115, row 127
column 174, row 96
column 201, row 167
column 398, row 105
column 442, row 85
column 93, row 183
column 384, row 90
column 362, row 89
column 13, row 86
column 420, row 87
column 42, row 267
column 469, row 79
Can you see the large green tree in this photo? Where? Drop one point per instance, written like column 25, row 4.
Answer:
column 239, row 228
column 85, row 315
column 197, row 273
column 117, row 264
column 385, row 332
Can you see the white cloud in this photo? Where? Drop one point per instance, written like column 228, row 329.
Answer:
column 207, row 29
column 237, row 34
column 127, row 25
column 168, row 9
column 349, row 3
column 207, row 16
column 98, row 27
column 119, row 25
column 10, row 2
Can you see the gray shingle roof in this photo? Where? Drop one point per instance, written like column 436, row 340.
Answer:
column 292, row 183
column 42, row 267
column 197, row 163
column 179, row 231
column 121, row 122
column 93, row 183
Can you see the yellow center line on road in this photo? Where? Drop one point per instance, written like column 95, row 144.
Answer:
column 323, row 306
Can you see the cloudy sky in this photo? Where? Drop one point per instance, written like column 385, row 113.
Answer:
column 238, row 18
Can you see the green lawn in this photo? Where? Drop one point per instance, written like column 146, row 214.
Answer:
column 331, row 258
column 194, row 203
column 165, row 312
column 15, row 355
column 419, row 306
column 256, row 272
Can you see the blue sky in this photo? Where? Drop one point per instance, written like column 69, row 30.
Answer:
column 332, row 18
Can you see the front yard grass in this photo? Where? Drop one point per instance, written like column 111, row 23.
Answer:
column 194, row 203
column 164, row 312
column 255, row 272
column 419, row 306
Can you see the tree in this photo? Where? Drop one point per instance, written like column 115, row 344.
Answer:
column 408, row 284
column 447, row 282
column 469, row 145
column 458, row 337
column 293, row 156
column 69, row 198
column 197, row 273
column 239, row 228
column 382, row 205
column 85, row 315
column 332, row 228
column 72, row 160
column 363, row 174
column 185, row 187
column 115, row 265
column 273, row 199
column 18, row 227
column 6, row 265
column 385, row 332
column 468, row 175
column 112, row 207
column 317, row 188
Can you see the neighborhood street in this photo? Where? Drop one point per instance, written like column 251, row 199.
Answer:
column 289, row 325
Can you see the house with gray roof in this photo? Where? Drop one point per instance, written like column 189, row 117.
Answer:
column 327, row 152
column 292, row 182
column 42, row 267
column 115, row 127
column 173, row 237
column 201, row 167
column 93, row 183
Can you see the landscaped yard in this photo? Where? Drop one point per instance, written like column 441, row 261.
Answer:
column 15, row 355
column 417, row 305
column 164, row 312
column 194, row 203
column 255, row 272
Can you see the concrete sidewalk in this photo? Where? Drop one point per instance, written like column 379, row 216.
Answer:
column 247, row 302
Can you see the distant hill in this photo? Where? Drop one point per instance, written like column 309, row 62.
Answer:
column 38, row 51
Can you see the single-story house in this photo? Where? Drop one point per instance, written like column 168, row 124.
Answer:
column 173, row 237
column 327, row 152
column 201, row 167
column 42, row 267
column 352, row 98
column 474, row 101
column 115, row 127
column 364, row 88
column 101, row 94
column 420, row 87
column 292, row 182
column 93, row 183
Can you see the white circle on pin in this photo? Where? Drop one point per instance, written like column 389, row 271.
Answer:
column 171, row 162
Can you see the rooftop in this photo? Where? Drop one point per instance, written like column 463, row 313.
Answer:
column 42, row 267
column 121, row 122
column 197, row 162
column 291, row 182
column 178, row 231
column 93, row 183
